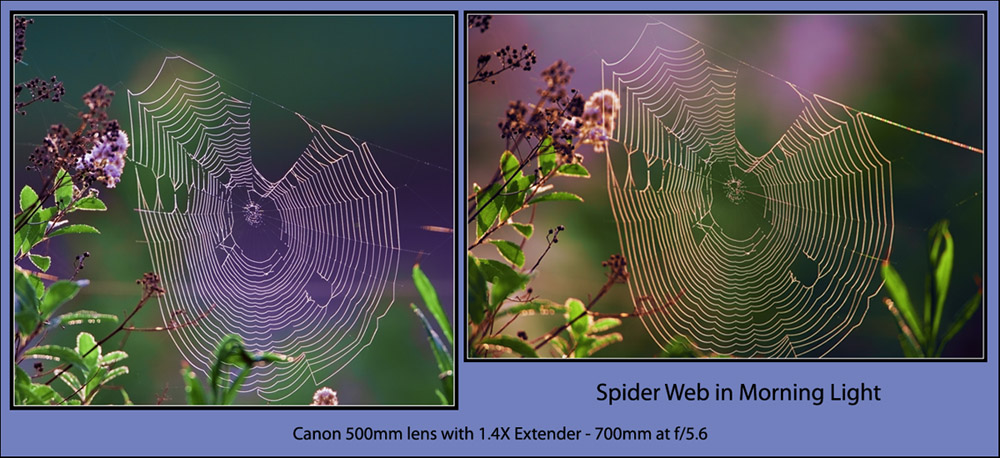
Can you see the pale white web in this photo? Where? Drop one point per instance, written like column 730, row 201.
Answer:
column 304, row 266
column 768, row 253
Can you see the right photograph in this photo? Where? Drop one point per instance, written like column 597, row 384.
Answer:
column 664, row 186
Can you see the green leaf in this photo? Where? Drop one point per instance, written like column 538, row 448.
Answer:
column 231, row 351
column 478, row 295
column 56, row 352
column 505, row 280
column 84, row 317
column 513, row 198
column 43, row 394
column 573, row 170
column 525, row 229
column 901, row 298
column 603, row 341
column 513, row 343
column 441, row 354
column 430, row 297
column 31, row 234
column 442, row 398
column 583, row 344
column 90, row 203
column 74, row 229
column 963, row 316
column 604, row 324
column 575, row 308
column 509, row 165
column 95, row 379
column 942, row 259
column 555, row 196
column 26, row 304
column 540, row 307
column 547, row 158
column 22, row 386
column 28, row 393
column 192, row 387
column 230, row 396
column 510, row 251
column 70, row 380
column 113, row 357
column 560, row 345
column 114, row 373
column 28, row 197
column 42, row 262
column 64, row 189
column 58, row 294
column 87, row 347
column 488, row 210
column 18, row 241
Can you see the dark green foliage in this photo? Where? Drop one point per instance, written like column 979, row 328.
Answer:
column 585, row 334
column 442, row 352
column 919, row 331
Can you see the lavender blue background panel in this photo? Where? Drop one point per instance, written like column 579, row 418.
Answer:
column 927, row 408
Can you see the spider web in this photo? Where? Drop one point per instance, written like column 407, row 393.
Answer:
column 304, row 266
column 773, row 253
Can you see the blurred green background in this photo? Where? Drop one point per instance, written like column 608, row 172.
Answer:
column 923, row 71
column 387, row 80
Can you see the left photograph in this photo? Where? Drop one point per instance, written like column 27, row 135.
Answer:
column 213, row 210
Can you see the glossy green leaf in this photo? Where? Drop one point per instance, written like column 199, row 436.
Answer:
column 63, row 189
column 556, row 196
column 28, row 197
column 70, row 380
column 604, row 324
column 573, row 170
column 513, row 197
column 504, row 279
column 430, row 297
column 539, row 307
column 509, row 165
column 942, row 261
column 41, row 262
column 90, row 203
column 56, row 352
column 74, row 229
column 488, row 210
column 901, row 298
column 510, row 251
column 547, row 158
column 113, row 357
column 513, row 343
column 26, row 303
column 84, row 317
column 87, row 347
column 575, row 308
column 441, row 353
column 524, row 229
column 234, row 389
column 114, row 373
column 478, row 294
column 601, row 342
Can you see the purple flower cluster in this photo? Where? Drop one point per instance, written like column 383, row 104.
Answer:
column 598, row 118
column 106, row 159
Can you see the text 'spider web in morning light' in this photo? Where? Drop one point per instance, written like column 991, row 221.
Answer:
column 304, row 266
column 795, row 274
